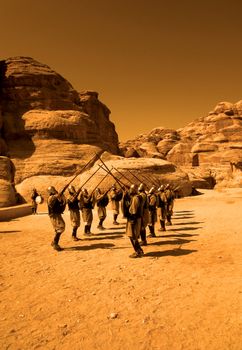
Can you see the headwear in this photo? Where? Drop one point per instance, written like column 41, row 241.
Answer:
column 71, row 189
column 152, row 190
column 141, row 187
column 133, row 189
column 51, row 190
column 84, row 190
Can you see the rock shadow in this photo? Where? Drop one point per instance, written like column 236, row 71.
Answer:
column 174, row 252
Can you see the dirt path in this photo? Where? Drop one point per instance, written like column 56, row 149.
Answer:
column 186, row 293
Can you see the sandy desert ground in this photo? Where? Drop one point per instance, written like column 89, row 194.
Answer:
column 185, row 293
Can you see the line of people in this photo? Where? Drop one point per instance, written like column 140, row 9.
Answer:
column 140, row 207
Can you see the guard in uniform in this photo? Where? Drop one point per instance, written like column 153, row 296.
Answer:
column 34, row 195
column 115, row 197
column 101, row 200
column 86, row 205
column 56, row 205
column 161, row 207
column 144, row 214
column 134, row 221
column 152, row 201
column 73, row 206
column 170, row 203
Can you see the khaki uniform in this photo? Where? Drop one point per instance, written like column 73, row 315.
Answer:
column 134, row 220
column 162, row 206
column 101, row 201
column 144, row 210
column 114, row 202
column 34, row 195
column 152, row 200
column 86, row 205
column 55, row 211
column 73, row 206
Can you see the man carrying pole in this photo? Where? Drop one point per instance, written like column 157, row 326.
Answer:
column 134, row 221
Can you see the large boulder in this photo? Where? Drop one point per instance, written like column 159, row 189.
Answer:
column 46, row 126
column 7, row 189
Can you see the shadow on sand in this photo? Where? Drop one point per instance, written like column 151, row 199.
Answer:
column 14, row 231
column 190, row 223
column 176, row 241
column 172, row 252
column 90, row 247
column 179, row 235
column 190, row 216
column 99, row 237
column 184, row 229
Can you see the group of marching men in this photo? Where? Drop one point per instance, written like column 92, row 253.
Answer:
column 142, row 207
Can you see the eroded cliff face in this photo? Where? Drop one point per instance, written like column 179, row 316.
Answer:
column 46, row 125
column 209, row 148
column 8, row 196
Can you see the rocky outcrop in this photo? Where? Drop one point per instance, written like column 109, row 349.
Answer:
column 150, row 171
column 214, row 139
column 46, row 125
column 7, row 189
column 155, row 144
column 211, row 143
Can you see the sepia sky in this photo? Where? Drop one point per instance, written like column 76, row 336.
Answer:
column 154, row 63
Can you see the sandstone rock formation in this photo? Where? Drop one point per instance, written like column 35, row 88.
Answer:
column 149, row 170
column 207, row 145
column 7, row 189
column 46, row 124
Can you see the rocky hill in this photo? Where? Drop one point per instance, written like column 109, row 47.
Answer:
column 46, row 126
column 208, row 147
column 45, row 121
column 49, row 130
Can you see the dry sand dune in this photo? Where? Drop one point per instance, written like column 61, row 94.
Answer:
column 185, row 293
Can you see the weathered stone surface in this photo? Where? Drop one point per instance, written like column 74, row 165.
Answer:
column 149, row 171
column 7, row 190
column 47, row 125
column 146, row 144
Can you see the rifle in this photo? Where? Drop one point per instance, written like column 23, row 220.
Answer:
column 101, row 181
column 121, row 184
column 82, row 169
column 150, row 181
column 140, row 180
column 122, row 175
column 79, row 190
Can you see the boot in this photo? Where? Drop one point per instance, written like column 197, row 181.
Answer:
column 115, row 216
column 138, row 248
column 74, row 237
column 100, row 225
column 86, row 231
column 136, row 254
column 143, row 237
column 152, row 231
column 55, row 242
column 89, row 230
column 162, row 225
column 168, row 220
